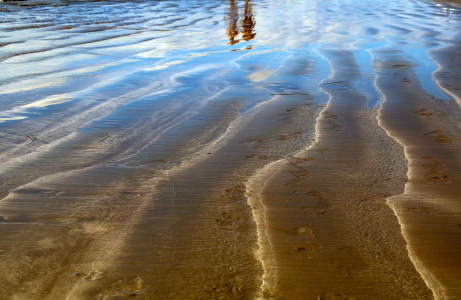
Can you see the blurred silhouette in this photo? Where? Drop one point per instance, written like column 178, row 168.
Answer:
column 232, row 31
column 247, row 24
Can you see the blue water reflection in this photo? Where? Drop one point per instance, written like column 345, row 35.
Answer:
column 77, row 48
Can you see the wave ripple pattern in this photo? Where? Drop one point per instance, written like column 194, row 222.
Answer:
column 234, row 149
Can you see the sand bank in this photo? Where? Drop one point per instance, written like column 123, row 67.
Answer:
column 231, row 150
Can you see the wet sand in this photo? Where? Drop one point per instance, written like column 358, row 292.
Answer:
column 230, row 150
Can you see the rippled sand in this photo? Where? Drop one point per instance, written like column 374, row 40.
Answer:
column 230, row 149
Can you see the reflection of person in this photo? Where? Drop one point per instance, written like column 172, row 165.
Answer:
column 232, row 31
column 248, row 23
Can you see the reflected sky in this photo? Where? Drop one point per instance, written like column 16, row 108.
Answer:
column 48, row 50
column 217, row 90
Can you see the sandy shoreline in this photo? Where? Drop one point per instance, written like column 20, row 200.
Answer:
column 234, row 150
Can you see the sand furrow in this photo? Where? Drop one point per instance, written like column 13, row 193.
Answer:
column 241, row 149
column 433, row 173
column 316, row 226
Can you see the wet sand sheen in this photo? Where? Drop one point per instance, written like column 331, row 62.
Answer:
column 185, row 216
column 328, row 227
column 431, row 195
column 284, row 151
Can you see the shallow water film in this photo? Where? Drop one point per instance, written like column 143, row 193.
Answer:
column 230, row 149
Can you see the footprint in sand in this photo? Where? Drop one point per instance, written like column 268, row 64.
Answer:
column 309, row 245
column 304, row 240
column 428, row 113
column 355, row 264
column 53, row 193
column 126, row 287
column 434, row 169
column 424, row 112
column 254, row 140
column 297, row 160
column 92, row 275
column 291, row 136
column 229, row 219
column 378, row 200
column 230, row 195
column 334, row 296
column 332, row 126
column 316, row 204
column 262, row 157
column 301, row 175
column 304, row 231
column 319, row 149
column 439, row 136
column 309, row 249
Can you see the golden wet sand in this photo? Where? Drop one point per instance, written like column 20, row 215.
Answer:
column 230, row 150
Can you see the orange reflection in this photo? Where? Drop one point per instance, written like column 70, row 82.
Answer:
column 247, row 25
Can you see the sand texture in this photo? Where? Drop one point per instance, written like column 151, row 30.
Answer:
column 230, row 149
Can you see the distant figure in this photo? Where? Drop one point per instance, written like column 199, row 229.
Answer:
column 232, row 31
column 247, row 25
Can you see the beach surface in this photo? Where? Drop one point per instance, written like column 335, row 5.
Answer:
column 230, row 149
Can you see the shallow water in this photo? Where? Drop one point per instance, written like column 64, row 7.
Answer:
column 230, row 149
